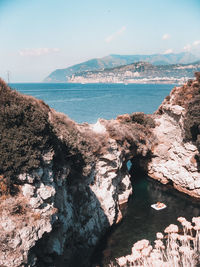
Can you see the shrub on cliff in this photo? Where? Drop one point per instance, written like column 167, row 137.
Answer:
column 188, row 96
column 133, row 136
column 24, row 132
column 77, row 147
column 139, row 118
column 197, row 75
column 192, row 119
column 29, row 128
column 192, row 116
column 143, row 119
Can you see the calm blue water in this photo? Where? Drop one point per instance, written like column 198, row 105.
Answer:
column 88, row 102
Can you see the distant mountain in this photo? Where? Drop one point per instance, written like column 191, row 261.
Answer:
column 140, row 72
column 62, row 75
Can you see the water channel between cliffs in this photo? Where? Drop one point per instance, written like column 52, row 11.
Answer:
column 143, row 222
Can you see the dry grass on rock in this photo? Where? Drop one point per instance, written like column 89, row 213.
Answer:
column 176, row 247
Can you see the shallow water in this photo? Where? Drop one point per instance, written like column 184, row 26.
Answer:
column 143, row 222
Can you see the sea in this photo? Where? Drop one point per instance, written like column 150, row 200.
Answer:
column 87, row 103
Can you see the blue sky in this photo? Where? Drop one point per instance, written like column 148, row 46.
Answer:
column 39, row 36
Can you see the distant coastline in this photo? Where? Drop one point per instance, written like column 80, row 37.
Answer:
column 157, row 68
column 140, row 72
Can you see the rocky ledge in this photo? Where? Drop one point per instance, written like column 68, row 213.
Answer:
column 175, row 157
column 62, row 184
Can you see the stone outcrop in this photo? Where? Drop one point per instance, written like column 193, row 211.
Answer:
column 58, row 216
column 175, row 157
column 62, row 184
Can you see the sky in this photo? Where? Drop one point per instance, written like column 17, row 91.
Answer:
column 39, row 36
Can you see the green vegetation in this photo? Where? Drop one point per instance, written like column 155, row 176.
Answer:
column 143, row 119
column 133, row 133
column 138, row 117
column 189, row 98
column 24, row 132
column 29, row 128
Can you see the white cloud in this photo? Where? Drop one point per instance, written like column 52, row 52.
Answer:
column 193, row 46
column 196, row 43
column 187, row 47
column 166, row 36
column 113, row 36
column 168, row 51
column 38, row 51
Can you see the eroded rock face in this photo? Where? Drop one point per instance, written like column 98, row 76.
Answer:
column 175, row 157
column 59, row 198
column 62, row 216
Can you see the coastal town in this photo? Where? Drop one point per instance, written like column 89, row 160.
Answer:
column 126, row 79
column 140, row 72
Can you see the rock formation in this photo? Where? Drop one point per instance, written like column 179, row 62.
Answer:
column 175, row 158
column 62, row 184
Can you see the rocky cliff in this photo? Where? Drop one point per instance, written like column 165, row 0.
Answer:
column 62, row 184
column 175, row 157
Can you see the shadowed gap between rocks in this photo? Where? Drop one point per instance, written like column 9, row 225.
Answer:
column 76, row 250
column 137, row 167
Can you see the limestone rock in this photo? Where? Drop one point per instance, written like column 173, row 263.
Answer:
column 28, row 190
column 46, row 191
column 175, row 158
